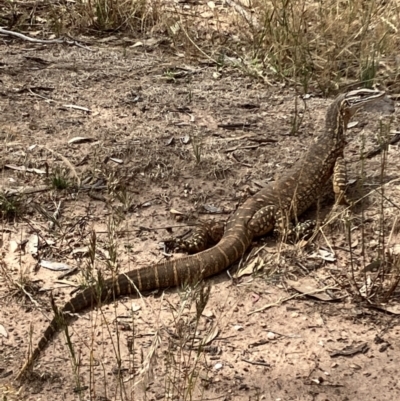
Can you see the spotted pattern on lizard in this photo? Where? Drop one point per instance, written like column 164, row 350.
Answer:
column 276, row 204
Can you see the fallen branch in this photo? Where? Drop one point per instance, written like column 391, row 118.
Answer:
column 372, row 153
column 281, row 300
column 43, row 41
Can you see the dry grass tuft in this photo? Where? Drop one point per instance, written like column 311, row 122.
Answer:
column 313, row 44
column 116, row 15
column 327, row 42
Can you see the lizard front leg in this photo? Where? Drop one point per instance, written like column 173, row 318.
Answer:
column 339, row 182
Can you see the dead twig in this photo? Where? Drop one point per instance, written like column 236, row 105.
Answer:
column 21, row 287
column 26, row 191
column 66, row 161
column 281, row 300
column 43, row 41
column 256, row 362
column 372, row 153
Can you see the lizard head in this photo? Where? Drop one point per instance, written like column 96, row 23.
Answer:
column 345, row 106
column 354, row 100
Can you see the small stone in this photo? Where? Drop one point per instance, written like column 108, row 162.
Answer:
column 271, row 335
column 218, row 366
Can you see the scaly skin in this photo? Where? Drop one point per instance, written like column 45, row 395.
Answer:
column 276, row 204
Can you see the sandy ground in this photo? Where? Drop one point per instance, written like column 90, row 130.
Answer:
column 165, row 141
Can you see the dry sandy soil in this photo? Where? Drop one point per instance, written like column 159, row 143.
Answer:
column 166, row 141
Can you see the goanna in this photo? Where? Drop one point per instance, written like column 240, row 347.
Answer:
column 275, row 205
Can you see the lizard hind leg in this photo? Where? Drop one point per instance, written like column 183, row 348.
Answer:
column 263, row 221
column 204, row 236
